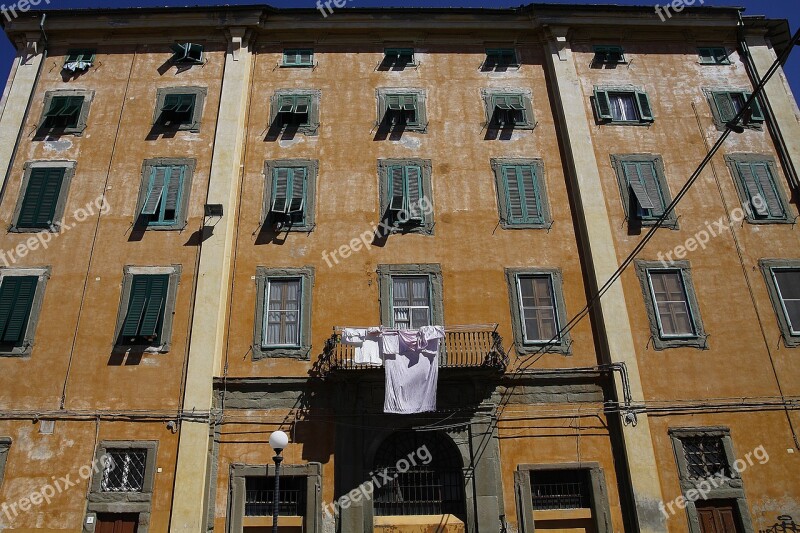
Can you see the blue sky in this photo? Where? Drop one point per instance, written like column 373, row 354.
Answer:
column 787, row 9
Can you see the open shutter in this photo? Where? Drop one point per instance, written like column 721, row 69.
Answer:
column 645, row 109
column 414, row 178
column 298, row 190
column 767, row 185
column 756, row 114
column 16, row 300
column 397, row 189
column 305, row 57
column 529, row 189
column 602, row 105
column 653, row 188
column 751, row 186
column 154, row 307
column 280, row 191
column 41, row 196
column 136, row 306
column 514, row 194
column 725, row 107
column 158, row 177
column 179, row 51
column 174, row 186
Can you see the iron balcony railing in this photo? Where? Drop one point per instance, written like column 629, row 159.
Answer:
column 467, row 346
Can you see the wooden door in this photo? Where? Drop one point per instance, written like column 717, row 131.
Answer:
column 117, row 523
column 718, row 517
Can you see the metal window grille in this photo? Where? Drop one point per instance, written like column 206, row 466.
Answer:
column 423, row 489
column 260, row 495
column 705, row 457
column 560, row 489
column 124, row 471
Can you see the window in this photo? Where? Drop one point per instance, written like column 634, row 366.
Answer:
column 252, row 495
column 508, row 109
column 537, row 305
column 560, row 489
column 179, row 108
column 283, row 312
column 402, row 109
column 643, row 188
column 298, row 57
column 623, row 106
column 164, row 193
column 295, row 110
column 435, row 488
column 147, row 307
column 5, row 445
column 783, row 283
column 756, row 181
column 671, row 305
column 406, row 200
column 726, row 105
column 289, row 196
column 703, row 453
column 191, row 53
column 410, row 295
column 79, row 60
column 521, row 193
column 260, row 496
column 65, row 112
column 45, row 185
column 124, row 470
column 608, row 55
column 712, row 55
column 21, row 296
column 500, row 59
column 398, row 58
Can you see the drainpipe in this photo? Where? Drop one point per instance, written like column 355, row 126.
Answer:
column 769, row 115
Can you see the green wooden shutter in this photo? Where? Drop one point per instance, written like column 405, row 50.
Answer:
column 136, row 306
column 174, row 191
column 513, row 194
column 756, row 114
column 16, row 300
column 280, row 190
column 706, row 55
column 41, row 196
column 602, row 105
column 156, row 303
column 298, row 188
column 527, row 175
column 158, row 178
column 397, row 189
column 757, row 183
column 649, row 180
column 415, row 192
column 645, row 109
column 725, row 107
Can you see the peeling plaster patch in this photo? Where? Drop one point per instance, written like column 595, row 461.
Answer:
column 286, row 143
column 409, row 142
column 765, row 513
column 299, row 251
column 58, row 146
column 650, row 515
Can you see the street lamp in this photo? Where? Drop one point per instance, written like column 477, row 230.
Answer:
column 278, row 440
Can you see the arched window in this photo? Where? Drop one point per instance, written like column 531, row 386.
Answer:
column 418, row 473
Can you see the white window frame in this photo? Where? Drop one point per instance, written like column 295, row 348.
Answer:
column 694, row 333
column 522, row 308
column 782, row 299
column 299, row 311
column 411, row 307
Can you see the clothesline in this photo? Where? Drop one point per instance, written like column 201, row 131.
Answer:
column 452, row 329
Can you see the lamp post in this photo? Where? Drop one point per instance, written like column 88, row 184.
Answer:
column 278, row 440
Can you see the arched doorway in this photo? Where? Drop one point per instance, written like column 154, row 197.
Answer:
column 418, row 473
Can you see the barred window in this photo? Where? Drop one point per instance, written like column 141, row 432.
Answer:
column 260, row 495
column 560, row 489
column 124, row 470
column 705, row 457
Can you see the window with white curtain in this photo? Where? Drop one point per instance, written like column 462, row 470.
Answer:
column 282, row 313
column 623, row 107
column 411, row 301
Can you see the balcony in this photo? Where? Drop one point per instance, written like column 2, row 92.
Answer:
column 466, row 347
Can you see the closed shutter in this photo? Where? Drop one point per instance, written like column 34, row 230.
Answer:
column 530, row 193
column 146, row 305
column 760, row 187
column 725, row 107
column 756, row 114
column 174, row 186
column 158, row 177
column 602, row 105
column 41, row 196
column 645, row 109
column 16, row 300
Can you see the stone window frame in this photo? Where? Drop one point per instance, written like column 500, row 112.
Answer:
column 544, row 205
column 730, row 489
column 58, row 217
column 36, row 307
column 747, row 157
column 147, row 166
column 83, row 116
column 312, row 128
column 601, row 510
column 563, row 347
column 236, row 501
column 382, row 93
column 200, row 94
column 122, row 502
column 700, row 339
column 426, row 228
column 174, row 272
column 5, row 446
column 708, row 92
column 312, row 170
column 767, row 265
column 527, row 98
column 617, row 161
column 302, row 352
column 385, row 273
